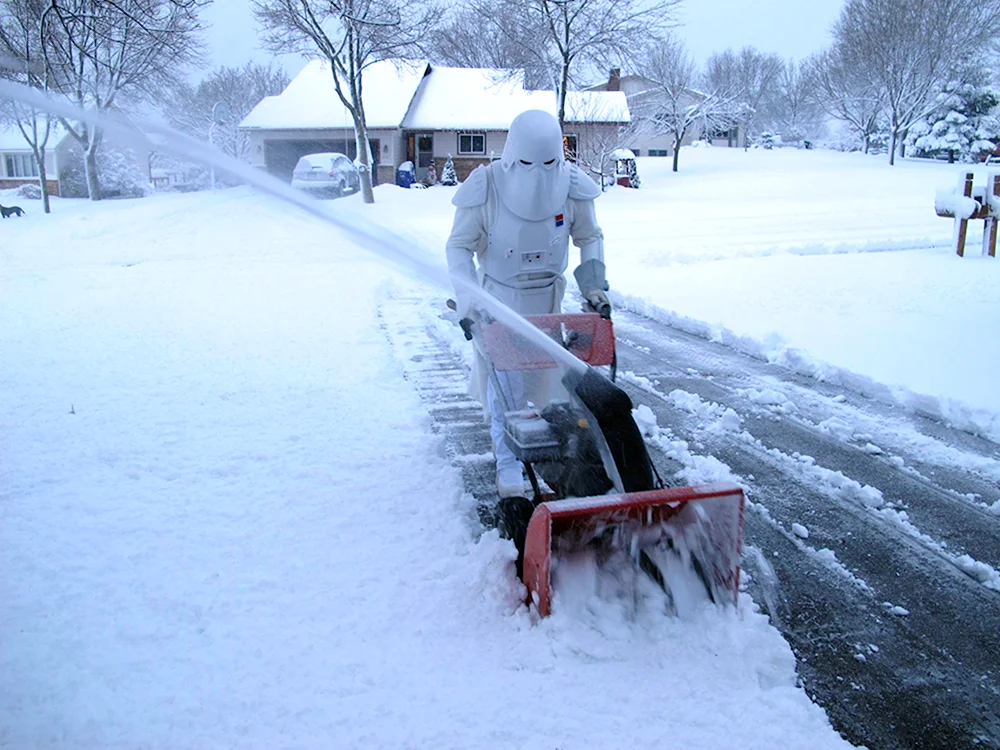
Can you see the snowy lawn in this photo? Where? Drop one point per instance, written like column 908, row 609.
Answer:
column 224, row 521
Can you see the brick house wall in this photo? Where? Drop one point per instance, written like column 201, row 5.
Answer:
column 7, row 184
column 464, row 165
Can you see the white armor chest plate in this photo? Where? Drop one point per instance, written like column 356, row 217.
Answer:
column 526, row 254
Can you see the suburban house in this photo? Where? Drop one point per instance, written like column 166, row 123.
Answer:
column 62, row 153
column 642, row 97
column 17, row 160
column 421, row 113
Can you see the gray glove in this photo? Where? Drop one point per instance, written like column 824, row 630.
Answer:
column 593, row 286
column 597, row 301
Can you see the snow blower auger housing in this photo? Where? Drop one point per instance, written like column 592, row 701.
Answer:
column 708, row 518
column 604, row 487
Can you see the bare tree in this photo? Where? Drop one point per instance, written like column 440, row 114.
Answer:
column 21, row 43
column 190, row 108
column 748, row 79
column 98, row 53
column 845, row 92
column 908, row 48
column 566, row 36
column 598, row 134
column 795, row 112
column 352, row 35
column 672, row 106
column 485, row 36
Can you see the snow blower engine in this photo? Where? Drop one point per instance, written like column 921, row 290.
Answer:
column 598, row 484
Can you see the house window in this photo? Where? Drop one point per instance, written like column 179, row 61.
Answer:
column 21, row 165
column 570, row 147
column 658, row 152
column 472, row 143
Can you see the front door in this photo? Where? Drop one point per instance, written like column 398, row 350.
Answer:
column 375, row 145
column 425, row 154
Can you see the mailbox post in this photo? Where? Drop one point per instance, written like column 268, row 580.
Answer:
column 973, row 203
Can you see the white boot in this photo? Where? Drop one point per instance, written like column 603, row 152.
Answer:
column 510, row 480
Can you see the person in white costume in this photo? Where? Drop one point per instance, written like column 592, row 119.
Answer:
column 513, row 223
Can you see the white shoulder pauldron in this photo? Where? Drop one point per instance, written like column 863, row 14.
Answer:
column 472, row 192
column 581, row 187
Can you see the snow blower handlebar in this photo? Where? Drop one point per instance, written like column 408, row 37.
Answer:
column 465, row 323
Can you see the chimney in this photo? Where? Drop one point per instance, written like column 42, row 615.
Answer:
column 615, row 80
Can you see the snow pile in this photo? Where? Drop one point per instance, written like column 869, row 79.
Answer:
column 768, row 397
column 838, row 428
column 985, row 574
column 714, row 416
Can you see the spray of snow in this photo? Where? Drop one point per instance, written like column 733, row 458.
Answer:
column 376, row 238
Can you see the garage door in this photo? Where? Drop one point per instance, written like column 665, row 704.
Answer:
column 280, row 157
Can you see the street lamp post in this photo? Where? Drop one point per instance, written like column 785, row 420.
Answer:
column 220, row 116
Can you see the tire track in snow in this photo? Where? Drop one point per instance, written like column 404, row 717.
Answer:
column 872, row 669
column 943, row 520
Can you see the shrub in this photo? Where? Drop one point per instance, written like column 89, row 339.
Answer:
column 30, row 191
column 118, row 175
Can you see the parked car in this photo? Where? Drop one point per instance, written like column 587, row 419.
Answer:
column 329, row 174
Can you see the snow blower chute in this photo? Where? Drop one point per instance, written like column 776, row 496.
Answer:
column 598, row 485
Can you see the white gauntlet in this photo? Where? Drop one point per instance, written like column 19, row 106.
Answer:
column 590, row 278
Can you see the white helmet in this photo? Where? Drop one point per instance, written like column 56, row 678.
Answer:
column 533, row 179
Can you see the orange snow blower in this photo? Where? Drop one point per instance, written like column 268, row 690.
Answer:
column 600, row 487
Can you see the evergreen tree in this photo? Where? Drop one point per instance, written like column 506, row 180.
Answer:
column 448, row 175
column 964, row 123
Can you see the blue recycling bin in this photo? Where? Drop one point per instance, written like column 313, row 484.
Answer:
column 404, row 178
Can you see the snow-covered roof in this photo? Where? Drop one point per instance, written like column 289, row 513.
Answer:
column 472, row 98
column 11, row 138
column 310, row 101
column 399, row 94
column 596, row 106
column 489, row 99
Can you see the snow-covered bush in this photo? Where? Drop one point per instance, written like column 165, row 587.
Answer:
column 30, row 191
column 791, row 136
column 842, row 137
column 964, row 124
column 448, row 175
column 767, row 140
column 118, row 175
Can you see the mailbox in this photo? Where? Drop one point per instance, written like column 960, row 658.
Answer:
column 973, row 202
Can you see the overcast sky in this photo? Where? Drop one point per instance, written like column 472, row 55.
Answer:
column 791, row 28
